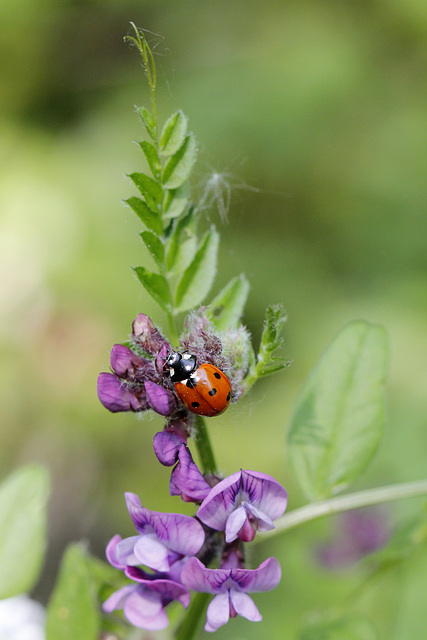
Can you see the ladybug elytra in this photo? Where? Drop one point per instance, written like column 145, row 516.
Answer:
column 204, row 390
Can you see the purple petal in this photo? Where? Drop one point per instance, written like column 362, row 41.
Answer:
column 125, row 555
column 186, row 480
column 151, row 552
column 244, row 606
column 159, row 399
column 220, row 502
column 197, row 577
column 118, row 598
column 166, row 445
column 144, row 609
column 179, row 533
column 115, row 396
column 264, row 523
column 146, row 334
column 161, row 358
column 265, row 578
column 218, row 612
column 235, row 522
column 138, row 513
column 167, row 589
column 265, row 493
column 111, row 552
column 124, row 362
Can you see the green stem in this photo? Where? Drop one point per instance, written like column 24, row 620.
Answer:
column 351, row 501
column 204, row 447
column 189, row 627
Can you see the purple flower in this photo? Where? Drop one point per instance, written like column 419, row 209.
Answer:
column 147, row 336
column 242, row 504
column 186, row 480
column 166, row 443
column 159, row 399
column 359, row 532
column 162, row 540
column 115, row 396
column 143, row 603
column 230, row 587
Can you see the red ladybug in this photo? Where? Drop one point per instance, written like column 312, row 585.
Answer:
column 204, row 390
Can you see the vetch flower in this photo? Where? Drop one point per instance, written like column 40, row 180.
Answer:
column 162, row 540
column 144, row 603
column 243, row 503
column 186, row 479
column 167, row 443
column 231, row 588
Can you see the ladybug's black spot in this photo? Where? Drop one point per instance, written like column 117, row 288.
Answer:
column 195, row 404
column 228, row 396
column 217, row 375
column 212, row 392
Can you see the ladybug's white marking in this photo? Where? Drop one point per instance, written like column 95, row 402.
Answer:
column 186, row 356
column 171, row 372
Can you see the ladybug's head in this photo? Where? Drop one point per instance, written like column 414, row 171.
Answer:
column 181, row 365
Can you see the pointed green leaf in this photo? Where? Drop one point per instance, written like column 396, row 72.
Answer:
column 155, row 247
column 226, row 309
column 73, row 612
column 156, row 286
column 180, row 165
column 151, row 155
column 23, row 498
column 173, row 134
column 176, row 201
column 149, row 122
column 151, row 219
column 267, row 360
column 349, row 627
column 182, row 244
column 149, row 188
column 197, row 279
column 339, row 415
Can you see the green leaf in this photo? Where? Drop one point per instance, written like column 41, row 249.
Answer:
column 155, row 247
column 23, row 498
column 173, row 134
column 226, row 309
column 197, row 279
column 267, row 360
column 151, row 219
column 349, row 627
column 156, row 286
column 339, row 415
column 150, row 189
column 182, row 244
column 180, row 165
column 149, row 122
column 152, row 157
column 176, row 201
column 72, row 611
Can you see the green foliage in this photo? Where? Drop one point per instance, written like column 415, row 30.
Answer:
column 349, row 627
column 73, row 610
column 157, row 286
column 339, row 415
column 226, row 308
column 173, row 134
column 23, row 499
column 179, row 166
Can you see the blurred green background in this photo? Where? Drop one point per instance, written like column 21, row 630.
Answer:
column 315, row 114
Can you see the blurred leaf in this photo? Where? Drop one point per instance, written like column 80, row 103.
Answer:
column 173, row 134
column 149, row 122
column 23, row 498
column 197, row 279
column 149, row 188
column 156, row 286
column 182, row 244
column 176, row 201
column 350, row 627
column 409, row 537
column 339, row 415
column 72, row 611
column 151, row 155
column 226, row 308
column 180, row 165
column 155, row 247
column 267, row 360
column 151, row 219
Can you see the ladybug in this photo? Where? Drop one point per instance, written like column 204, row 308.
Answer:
column 204, row 390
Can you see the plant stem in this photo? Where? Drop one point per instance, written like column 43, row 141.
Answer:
column 351, row 501
column 190, row 625
column 204, row 447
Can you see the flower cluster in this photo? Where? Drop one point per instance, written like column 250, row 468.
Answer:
column 171, row 552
